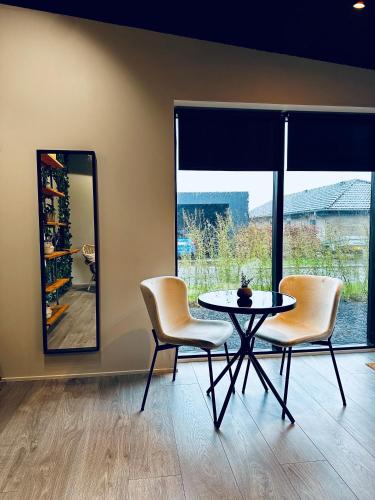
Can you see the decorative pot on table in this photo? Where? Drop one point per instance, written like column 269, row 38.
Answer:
column 244, row 292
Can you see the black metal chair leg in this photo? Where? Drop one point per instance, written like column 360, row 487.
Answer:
column 149, row 378
column 213, row 400
column 273, row 389
column 247, row 367
column 175, row 365
column 282, row 361
column 287, row 380
column 227, row 397
column 337, row 372
column 224, row 371
column 228, row 360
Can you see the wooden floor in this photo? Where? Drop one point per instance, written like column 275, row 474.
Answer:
column 85, row 439
column 77, row 327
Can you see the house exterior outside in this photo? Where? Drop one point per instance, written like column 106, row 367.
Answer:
column 340, row 212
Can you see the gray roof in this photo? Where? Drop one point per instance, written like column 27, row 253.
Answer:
column 353, row 196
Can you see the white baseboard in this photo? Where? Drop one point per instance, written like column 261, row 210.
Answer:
column 167, row 370
column 83, row 375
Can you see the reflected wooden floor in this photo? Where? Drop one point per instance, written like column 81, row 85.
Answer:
column 77, row 328
column 86, row 439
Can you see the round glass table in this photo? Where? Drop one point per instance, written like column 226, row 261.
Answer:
column 261, row 304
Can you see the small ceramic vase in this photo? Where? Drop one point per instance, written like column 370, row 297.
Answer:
column 244, row 292
column 48, row 312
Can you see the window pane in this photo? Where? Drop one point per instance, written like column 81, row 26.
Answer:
column 217, row 236
column 326, row 232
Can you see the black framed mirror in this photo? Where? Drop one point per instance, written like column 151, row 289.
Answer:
column 69, row 250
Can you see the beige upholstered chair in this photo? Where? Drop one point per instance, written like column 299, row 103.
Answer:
column 166, row 300
column 313, row 319
column 88, row 252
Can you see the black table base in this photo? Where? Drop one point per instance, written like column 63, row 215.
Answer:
column 246, row 349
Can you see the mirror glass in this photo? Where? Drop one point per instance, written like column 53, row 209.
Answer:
column 68, row 250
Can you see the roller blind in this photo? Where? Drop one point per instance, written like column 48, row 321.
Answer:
column 331, row 141
column 227, row 139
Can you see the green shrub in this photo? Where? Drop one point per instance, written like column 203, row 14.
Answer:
column 223, row 251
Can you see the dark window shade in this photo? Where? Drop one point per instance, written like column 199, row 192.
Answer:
column 331, row 141
column 227, row 139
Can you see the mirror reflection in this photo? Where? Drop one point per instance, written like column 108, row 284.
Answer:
column 69, row 264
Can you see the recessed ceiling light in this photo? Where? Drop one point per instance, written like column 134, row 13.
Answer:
column 359, row 5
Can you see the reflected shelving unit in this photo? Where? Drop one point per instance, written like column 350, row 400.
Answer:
column 57, row 271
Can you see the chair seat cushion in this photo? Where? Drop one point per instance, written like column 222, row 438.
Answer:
column 205, row 334
column 283, row 333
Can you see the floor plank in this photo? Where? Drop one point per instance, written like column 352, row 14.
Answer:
column 166, row 488
column 5, row 451
column 101, row 465
column 313, row 480
column 289, row 443
column 185, row 375
column 258, row 474
column 205, row 469
column 11, row 396
column 153, row 451
column 25, row 430
column 358, row 382
column 77, row 327
column 10, row 495
column 351, row 374
column 354, row 362
column 346, row 455
column 86, row 439
column 359, row 421
column 52, row 463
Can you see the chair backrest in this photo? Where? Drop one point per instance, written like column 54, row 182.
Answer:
column 166, row 300
column 88, row 249
column 317, row 297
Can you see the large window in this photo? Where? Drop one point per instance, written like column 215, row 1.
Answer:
column 216, row 239
column 229, row 222
column 326, row 232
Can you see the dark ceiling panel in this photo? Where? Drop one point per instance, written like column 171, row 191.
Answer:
column 327, row 30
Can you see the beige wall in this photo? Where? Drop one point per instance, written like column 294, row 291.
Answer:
column 74, row 84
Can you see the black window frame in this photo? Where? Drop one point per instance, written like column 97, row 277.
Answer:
column 277, row 256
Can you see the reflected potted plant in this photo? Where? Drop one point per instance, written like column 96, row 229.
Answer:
column 49, row 213
column 245, row 292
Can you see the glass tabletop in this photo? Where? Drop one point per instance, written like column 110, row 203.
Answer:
column 260, row 302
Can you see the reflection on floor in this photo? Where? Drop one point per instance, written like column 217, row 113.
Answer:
column 86, row 439
column 77, row 328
